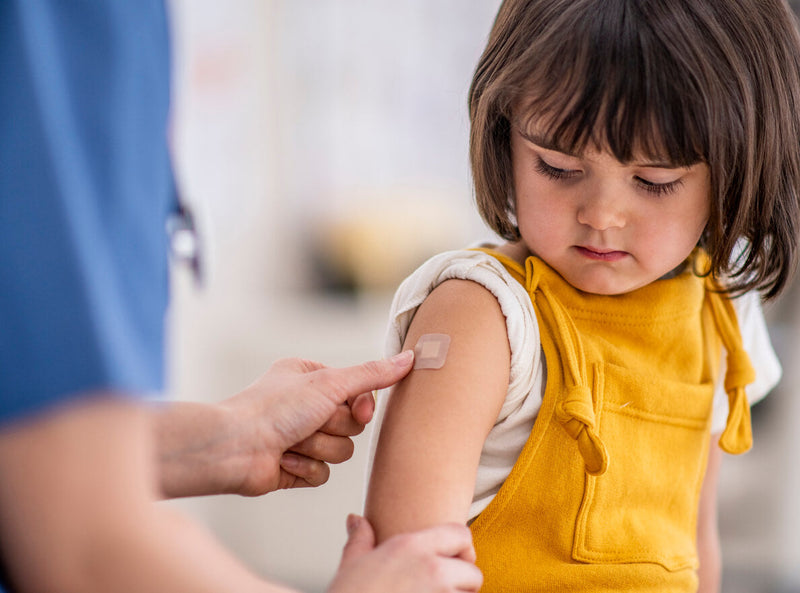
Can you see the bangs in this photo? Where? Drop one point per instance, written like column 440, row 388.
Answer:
column 663, row 80
column 613, row 84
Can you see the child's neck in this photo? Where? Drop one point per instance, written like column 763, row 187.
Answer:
column 517, row 251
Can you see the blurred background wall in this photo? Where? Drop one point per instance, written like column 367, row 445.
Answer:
column 323, row 147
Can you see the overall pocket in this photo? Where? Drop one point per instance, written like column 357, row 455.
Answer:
column 644, row 507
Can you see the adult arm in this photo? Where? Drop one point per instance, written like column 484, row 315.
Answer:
column 280, row 432
column 437, row 420
column 708, row 544
column 78, row 512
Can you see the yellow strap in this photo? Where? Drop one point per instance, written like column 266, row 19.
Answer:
column 738, row 434
column 576, row 415
column 576, row 410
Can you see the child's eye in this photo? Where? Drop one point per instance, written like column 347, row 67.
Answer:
column 553, row 172
column 659, row 189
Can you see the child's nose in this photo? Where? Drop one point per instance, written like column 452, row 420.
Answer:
column 602, row 208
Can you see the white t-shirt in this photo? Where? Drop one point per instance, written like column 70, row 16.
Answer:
column 526, row 380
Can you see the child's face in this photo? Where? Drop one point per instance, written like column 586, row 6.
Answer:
column 607, row 227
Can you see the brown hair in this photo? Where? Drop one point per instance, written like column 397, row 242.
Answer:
column 715, row 81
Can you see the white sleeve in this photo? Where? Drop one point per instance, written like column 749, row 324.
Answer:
column 524, row 393
column 477, row 266
column 756, row 341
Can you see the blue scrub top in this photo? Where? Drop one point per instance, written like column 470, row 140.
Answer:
column 85, row 189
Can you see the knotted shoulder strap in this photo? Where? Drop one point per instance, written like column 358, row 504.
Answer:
column 737, row 436
column 575, row 411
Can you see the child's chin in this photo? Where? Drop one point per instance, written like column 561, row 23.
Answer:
column 605, row 282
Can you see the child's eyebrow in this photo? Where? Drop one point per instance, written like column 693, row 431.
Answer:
column 548, row 144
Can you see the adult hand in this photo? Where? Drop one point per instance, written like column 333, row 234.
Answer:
column 280, row 432
column 440, row 559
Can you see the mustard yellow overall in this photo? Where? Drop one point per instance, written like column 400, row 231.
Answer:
column 604, row 495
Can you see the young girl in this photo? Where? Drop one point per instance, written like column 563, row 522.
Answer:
column 640, row 158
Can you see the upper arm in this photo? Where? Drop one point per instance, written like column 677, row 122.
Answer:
column 437, row 420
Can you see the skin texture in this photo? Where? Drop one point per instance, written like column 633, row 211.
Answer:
column 80, row 486
column 602, row 225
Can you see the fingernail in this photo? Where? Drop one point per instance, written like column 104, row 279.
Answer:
column 403, row 359
column 352, row 523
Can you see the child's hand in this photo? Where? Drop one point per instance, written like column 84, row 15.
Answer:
column 439, row 559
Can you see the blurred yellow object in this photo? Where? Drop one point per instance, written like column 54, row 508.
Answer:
column 374, row 246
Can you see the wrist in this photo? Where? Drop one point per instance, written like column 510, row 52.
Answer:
column 197, row 450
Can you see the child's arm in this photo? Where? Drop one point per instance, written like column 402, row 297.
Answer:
column 437, row 420
column 708, row 545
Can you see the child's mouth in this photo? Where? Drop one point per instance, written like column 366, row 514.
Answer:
column 599, row 254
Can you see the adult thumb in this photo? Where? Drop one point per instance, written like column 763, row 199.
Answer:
column 360, row 538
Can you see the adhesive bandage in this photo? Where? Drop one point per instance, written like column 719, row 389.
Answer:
column 431, row 351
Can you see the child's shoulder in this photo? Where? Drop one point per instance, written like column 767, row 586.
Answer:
column 489, row 281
